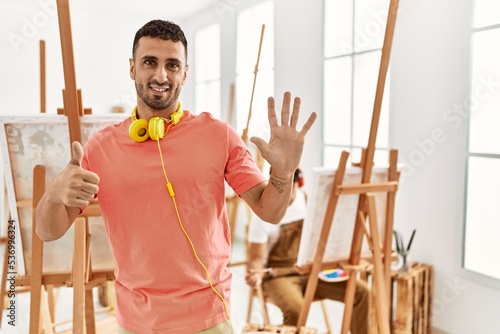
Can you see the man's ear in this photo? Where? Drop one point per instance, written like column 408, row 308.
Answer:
column 132, row 68
column 185, row 74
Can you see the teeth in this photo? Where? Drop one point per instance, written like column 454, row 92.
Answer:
column 159, row 89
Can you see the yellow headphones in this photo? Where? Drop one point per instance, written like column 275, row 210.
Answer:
column 140, row 129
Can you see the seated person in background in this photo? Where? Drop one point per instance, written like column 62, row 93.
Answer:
column 277, row 246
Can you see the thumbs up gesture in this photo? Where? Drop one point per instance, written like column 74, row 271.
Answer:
column 75, row 186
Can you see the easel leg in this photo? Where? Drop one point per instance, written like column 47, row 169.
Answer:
column 393, row 175
column 47, row 318
column 35, row 308
column 349, row 303
column 378, row 270
column 260, row 295
column 325, row 315
column 251, row 295
column 257, row 292
column 312, row 281
column 79, row 276
column 51, row 299
column 36, row 253
column 89, row 311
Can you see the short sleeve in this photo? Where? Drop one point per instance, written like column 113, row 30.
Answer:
column 241, row 171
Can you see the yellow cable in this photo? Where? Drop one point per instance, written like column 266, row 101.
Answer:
column 172, row 194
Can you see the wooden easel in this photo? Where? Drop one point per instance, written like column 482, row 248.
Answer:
column 235, row 201
column 72, row 109
column 81, row 278
column 366, row 209
column 43, row 104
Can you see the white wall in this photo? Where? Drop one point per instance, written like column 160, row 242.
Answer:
column 298, row 66
column 429, row 75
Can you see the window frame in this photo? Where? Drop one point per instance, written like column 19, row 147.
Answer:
column 206, row 82
column 482, row 278
column 353, row 148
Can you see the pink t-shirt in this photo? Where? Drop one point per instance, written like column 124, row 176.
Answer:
column 160, row 286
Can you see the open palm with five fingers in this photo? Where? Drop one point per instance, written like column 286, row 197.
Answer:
column 284, row 150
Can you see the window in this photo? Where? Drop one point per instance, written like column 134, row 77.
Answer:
column 249, row 29
column 354, row 34
column 481, row 244
column 208, row 70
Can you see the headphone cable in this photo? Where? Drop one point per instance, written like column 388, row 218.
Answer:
column 172, row 194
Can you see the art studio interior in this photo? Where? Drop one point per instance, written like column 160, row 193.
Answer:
column 405, row 93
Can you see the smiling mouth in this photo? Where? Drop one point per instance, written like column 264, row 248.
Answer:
column 159, row 89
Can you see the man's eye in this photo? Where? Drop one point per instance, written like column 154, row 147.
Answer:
column 173, row 67
column 149, row 62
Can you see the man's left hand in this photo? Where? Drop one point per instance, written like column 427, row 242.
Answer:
column 284, row 150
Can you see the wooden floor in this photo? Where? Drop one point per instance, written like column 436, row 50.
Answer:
column 107, row 326
column 104, row 326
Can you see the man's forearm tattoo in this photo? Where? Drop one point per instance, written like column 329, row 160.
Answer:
column 278, row 183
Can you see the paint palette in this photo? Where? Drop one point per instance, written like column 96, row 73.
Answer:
column 333, row 275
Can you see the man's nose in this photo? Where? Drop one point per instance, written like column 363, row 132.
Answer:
column 161, row 75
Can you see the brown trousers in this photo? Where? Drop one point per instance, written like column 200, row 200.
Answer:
column 287, row 289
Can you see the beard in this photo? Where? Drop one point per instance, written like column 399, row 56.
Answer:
column 157, row 102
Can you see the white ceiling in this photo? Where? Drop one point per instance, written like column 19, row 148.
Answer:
column 173, row 9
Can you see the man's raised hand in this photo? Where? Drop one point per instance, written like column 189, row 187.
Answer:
column 284, row 150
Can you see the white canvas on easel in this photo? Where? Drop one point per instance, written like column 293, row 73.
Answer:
column 27, row 141
column 340, row 237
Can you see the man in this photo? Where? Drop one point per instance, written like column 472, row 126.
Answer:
column 163, row 200
column 277, row 246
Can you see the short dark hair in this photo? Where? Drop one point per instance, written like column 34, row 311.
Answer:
column 162, row 29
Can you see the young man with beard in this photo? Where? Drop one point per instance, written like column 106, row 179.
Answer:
column 163, row 200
